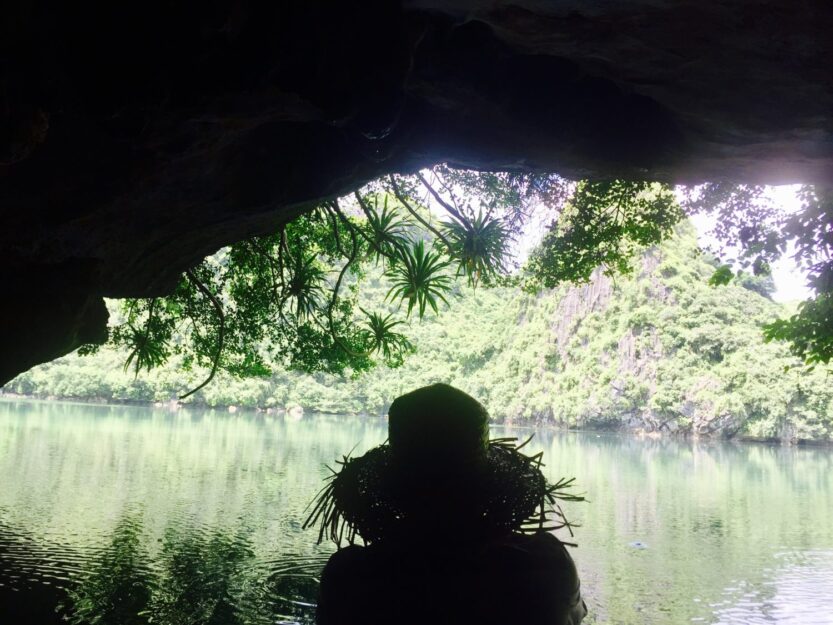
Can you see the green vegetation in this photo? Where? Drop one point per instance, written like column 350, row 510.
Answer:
column 196, row 577
column 754, row 232
column 119, row 586
column 658, row 349
column 290, row 298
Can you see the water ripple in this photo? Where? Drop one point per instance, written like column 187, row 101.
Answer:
column 797, row 590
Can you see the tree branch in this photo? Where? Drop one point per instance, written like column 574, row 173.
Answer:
column 278, row 292
column 329, row 209
column 146, row 334
column 220, row 333
column 401, row 197
column 350, row 260
column 448, row 207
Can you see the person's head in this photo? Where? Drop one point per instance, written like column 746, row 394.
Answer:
column 438, row 428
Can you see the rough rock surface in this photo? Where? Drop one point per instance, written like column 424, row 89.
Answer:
column 136, row 138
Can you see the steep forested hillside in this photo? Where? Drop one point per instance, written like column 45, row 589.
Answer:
column 657, row 351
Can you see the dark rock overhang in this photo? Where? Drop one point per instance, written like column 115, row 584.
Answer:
column 137, row 138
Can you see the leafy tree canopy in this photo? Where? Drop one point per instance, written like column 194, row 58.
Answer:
column 755, row 231
column 290, row 297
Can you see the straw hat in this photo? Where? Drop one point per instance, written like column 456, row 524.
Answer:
column 438, row 474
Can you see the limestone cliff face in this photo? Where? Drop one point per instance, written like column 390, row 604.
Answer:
column 635, row 353
column 575, row 305
column 658, row 352
column 138, row 138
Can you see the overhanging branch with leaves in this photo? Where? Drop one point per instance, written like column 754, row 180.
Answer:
column 289, row 298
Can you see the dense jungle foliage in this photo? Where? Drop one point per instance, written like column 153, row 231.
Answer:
column 659, row 349
column 294, row 298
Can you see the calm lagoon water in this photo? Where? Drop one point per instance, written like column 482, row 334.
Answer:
column 121, row 513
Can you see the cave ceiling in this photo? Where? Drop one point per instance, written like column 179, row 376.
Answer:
column 136, row 138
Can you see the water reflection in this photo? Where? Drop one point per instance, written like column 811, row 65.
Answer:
column 118, row 588
column 202, row 577
column 796, row 589
column 196, row 517
column 199, row 576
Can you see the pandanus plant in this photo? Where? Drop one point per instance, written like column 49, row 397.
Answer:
column 478, row 244
column 419, row 278
column 387, row 230
column 380, row 337
column 305, row 285
column 147, row 353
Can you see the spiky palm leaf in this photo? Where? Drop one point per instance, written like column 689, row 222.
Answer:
column 419, row 278
column 380, row 336
column 388, row 231
column 305, row 285
column 148, row 340
column 479, row 245
column 147, row 351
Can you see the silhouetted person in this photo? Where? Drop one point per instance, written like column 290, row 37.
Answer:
column 455, row 526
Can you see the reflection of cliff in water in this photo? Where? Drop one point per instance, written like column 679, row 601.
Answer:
column 205, row 577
